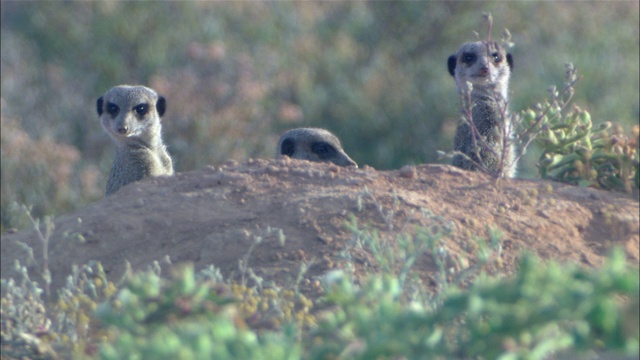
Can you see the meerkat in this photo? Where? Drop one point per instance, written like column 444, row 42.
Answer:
column 313, row 144
column 482, row 70
column 131, row 117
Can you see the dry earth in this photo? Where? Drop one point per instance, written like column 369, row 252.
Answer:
column 213, row 216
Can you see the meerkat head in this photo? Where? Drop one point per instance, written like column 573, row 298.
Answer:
column 131, row 114
column 314, row 145
column 484, row 64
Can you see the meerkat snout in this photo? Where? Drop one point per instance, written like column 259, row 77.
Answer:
column 313, row 144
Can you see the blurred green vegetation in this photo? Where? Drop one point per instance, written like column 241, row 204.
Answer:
column 237, row 74
column 546, row 310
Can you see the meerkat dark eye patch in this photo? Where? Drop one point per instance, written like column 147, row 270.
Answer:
column 497, row 58
column 99, row 104
column 323, row 150
column 468, row 58
column 287, row 147
column 161, row 105
column 112, row 109
column 451, row 65
column 141, row 109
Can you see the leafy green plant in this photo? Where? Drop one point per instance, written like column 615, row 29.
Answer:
column 545, row 308
column 576, row 152
column 369, row 322
column 183, row 318
column 86, row 288
column 23, row 309
column 34, row 325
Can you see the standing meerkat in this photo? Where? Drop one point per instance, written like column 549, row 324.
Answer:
column 313, row 144
column 482, row 70
column 131, row 117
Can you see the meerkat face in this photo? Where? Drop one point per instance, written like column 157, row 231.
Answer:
column 131, row 113
column 480, row 63
column 314, row 145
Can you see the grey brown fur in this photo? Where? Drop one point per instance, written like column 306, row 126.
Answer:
column 482, row 70
column 131, row 117
column 313, row 144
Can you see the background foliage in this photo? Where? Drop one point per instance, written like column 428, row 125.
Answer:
column 237, row 74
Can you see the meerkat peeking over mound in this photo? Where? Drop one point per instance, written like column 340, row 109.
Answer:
column 131, row 117
column 482, row 70
column 314, row 145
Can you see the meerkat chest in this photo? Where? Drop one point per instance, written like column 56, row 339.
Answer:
column 140, row 160
column 489, row 116
column 488, row 108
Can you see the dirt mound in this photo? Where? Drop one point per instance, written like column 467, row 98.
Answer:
column 295, row 211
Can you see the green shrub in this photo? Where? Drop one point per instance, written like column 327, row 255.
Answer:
column 183, row 319
column 576, row 152
column 543, row 309
column 23, row 310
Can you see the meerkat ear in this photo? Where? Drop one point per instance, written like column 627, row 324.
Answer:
column 287, row 147
column 99, row 106
column 161, row 105
column 451, row 63
column 510, row 61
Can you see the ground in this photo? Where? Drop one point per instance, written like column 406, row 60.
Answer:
column 214, row 215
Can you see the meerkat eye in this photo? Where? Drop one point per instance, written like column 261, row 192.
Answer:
column 323, row 150
column 112, row 109
column 468, row 58
column 141, row 109
column 496, row 57
column 288, row 147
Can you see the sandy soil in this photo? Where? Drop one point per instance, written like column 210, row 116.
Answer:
column 214, row 215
